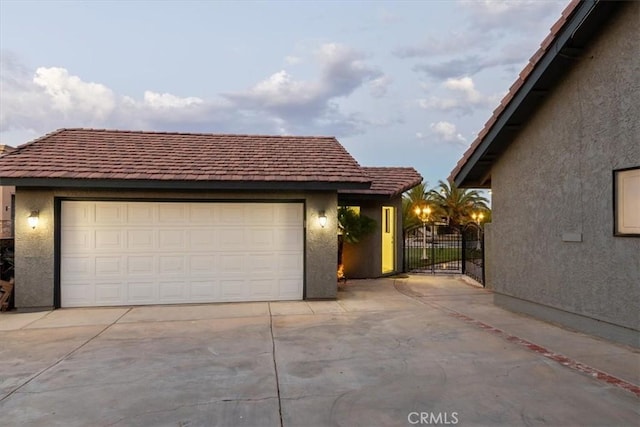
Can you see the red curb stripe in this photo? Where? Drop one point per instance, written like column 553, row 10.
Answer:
column 556, row 357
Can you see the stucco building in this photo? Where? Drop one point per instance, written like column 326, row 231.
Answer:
column 561, row 155
column 109, row 218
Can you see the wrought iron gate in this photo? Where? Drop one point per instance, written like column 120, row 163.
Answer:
column 473, row 252
column 432, row 248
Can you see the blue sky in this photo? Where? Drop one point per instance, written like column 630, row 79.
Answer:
column 399, row 83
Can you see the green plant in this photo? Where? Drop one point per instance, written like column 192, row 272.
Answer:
column 352, row 227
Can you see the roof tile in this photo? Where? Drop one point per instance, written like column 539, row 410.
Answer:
column 116, row 154
column 388, row 181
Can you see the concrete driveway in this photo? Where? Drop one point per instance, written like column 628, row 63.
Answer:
column 416, row 351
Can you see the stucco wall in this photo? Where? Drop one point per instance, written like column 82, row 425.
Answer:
column 364, row 259
column 556, row 178
column 35, row 264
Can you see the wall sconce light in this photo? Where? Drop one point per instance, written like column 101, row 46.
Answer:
column 33, row 219
column 322, row 218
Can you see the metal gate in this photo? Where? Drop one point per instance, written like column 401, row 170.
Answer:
column 432, row 248
column 473, row 252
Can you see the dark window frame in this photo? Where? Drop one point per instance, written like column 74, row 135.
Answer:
column 617, row 199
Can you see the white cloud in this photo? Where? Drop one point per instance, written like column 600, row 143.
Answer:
column 292, row 60
column 69, row 94
column 466, row 86
column 310, row 104
column 469, row 65
column 463, row 96
column 492, row 14
column 454, row 42
column 52, row 97
column 447, row 132
column 167, row 100
column 378, row 87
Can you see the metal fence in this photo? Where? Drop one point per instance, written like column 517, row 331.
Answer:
column 431, row 248
column 473, row 252
column 434, row 248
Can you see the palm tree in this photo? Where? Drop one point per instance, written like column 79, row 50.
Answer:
column 417, row 196
column 457, row 205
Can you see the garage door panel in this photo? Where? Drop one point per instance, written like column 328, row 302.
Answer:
column 232, row 238
column 289, row 288
column 290, row 239
column 109, row 266
column 200, row 239
column 202, row 213
column 289, row 262
column 233, row 290
column 230, row 263
column 109, row 240
column 79, row 240
column 140, row 240
column 204, row 290
column 78, row 214
column 140, row 213
column 171, row 240
column 289, row 214
column 172, row 213
column 172, row 264
column 262, row 263
column 77, row 267
column 172, row 291
column 231, row 214
column 78, row 294
column 202, row 264
column 260, row 213
column 134, row 253
column 110, row 213
column 141, row 265
column 143, row 292
column 262, row 288
column 261, row 237
column 109, row 293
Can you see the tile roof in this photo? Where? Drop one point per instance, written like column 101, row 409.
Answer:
column 93, row 154
column 4, row 149
column 517, row 85
column 388, row 181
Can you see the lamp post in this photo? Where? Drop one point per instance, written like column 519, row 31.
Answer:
column 423, row 213
column 477, row 218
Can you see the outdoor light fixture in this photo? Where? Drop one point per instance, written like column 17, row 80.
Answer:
column 423, row 213
column 322, row 218
column 33, row 219
column 477, row 217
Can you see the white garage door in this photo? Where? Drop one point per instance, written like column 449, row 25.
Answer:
column 131, row 253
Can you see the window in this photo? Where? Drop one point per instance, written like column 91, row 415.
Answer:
column 626, row 202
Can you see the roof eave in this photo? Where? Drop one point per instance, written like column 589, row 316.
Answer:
column 141, row 184
column 476, row 170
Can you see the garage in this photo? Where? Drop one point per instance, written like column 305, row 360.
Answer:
column 162, row 252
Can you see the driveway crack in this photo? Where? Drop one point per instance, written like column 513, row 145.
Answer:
column 61, row 359
column 275, row 364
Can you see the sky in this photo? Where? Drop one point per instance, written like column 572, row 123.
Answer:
column 398, row 83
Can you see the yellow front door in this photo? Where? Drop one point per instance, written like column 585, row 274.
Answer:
column 388, row 239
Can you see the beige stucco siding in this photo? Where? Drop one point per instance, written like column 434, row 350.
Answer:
column 556, row 178
column 35, row 249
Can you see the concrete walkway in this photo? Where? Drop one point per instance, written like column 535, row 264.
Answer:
column 424, row 350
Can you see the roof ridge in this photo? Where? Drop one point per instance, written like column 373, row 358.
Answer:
column 153, row 132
